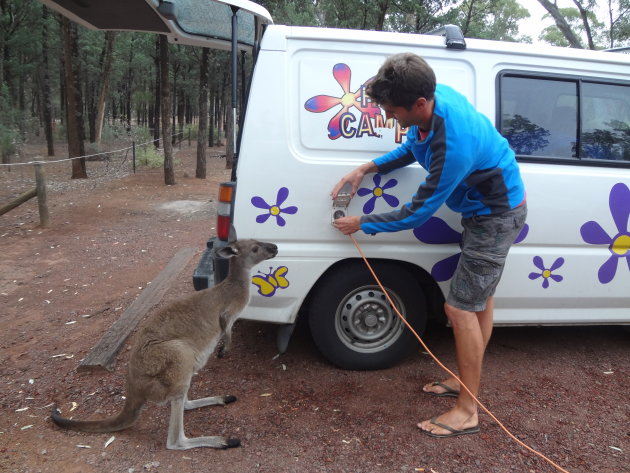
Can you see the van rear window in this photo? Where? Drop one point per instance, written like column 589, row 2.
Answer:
column 565, row 118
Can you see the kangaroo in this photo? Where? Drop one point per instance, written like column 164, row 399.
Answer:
column 175, row 342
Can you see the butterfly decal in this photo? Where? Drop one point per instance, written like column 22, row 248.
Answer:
column 268, row 283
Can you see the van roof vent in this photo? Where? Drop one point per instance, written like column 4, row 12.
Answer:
column 454, row 36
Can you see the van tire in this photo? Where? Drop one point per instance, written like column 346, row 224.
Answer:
column 353, row 324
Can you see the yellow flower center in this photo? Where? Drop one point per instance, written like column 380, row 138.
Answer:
column 621, row 245
column 378, row 191
column 275, row 210
column 546, row 273
column 347, row 100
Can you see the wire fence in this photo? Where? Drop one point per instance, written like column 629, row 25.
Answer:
column 102, row 166
column 18, row 179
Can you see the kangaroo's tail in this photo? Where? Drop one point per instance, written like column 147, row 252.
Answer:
column 130, row 412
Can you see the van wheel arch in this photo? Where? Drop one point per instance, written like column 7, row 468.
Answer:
column 351, row 322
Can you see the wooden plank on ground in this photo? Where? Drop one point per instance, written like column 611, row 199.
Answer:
column 18, row 201
column 103, row 355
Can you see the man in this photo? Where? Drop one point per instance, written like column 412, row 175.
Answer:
column 473, row 171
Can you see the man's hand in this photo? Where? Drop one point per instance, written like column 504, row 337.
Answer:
column 348, row 225
column 353, row 178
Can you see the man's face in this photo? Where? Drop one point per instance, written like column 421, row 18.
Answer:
column 404, row 116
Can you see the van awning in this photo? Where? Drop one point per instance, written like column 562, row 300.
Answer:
column 204, row 23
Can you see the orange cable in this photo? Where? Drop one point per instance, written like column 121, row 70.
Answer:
column 441, row 365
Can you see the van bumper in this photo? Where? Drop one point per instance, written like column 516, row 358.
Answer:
column 211, row 268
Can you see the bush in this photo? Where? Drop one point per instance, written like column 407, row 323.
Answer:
column 147, row 155
column 9, row 143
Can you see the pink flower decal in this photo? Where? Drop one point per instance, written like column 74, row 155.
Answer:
column 348, row 100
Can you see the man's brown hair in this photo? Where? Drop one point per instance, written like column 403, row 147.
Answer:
column 401, row 80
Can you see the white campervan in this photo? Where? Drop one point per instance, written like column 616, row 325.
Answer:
column 565, row 112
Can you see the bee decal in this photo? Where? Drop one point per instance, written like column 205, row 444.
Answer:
column 268, row 283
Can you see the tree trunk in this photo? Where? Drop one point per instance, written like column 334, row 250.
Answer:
column 211, row 120
column 106, row 68
column 181, row 111
column 229, row 140
column 129, row 84
column 75, row 138
column 169, row 174
column 383, row 6
column 2, row 43
column 587, row 26
column 78, row 80
column 561, row 23
column 47, row 105
column 200, row 171
column 158, row 99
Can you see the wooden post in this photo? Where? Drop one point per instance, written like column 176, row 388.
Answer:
column 133, row 147
column 42, row 197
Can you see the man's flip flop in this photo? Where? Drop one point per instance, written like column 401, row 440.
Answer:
column 450, row 392
column 453, row 432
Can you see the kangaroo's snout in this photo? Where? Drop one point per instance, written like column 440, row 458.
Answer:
column 272, row 249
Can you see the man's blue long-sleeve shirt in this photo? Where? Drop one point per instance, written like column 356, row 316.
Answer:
column 470, row 167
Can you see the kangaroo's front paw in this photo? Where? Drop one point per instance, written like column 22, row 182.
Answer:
column 222, row 350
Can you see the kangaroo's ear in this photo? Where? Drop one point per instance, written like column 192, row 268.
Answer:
column 228, row 251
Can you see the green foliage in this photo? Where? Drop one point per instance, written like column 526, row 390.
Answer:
column 490, row 19
column 9, row 143
column 147, row 155
column 554, row 36
column 190, row 131
column 10, row 138
column 140, row 135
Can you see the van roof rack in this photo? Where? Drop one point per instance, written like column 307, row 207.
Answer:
column 453, row 34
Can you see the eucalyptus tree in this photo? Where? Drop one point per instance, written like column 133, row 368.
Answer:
column 488, row 19
column 579, row 27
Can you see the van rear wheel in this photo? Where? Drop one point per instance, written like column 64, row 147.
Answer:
column 352, row 323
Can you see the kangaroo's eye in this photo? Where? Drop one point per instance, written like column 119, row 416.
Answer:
column 255, row 250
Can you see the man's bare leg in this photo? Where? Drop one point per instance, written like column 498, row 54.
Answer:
column 485, row 318
column 472, row 332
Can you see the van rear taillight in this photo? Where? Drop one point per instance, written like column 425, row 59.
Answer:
column 224, row 210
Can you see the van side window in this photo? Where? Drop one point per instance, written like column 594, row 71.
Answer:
column 605, row 122
column 565, row 118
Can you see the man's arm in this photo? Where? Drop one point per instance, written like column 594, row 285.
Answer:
column 354, row 178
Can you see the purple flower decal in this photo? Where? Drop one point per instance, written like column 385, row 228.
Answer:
column 546, row 273
column 618, row 245
column 436, row 231
column 274, row 210
column 378, row 192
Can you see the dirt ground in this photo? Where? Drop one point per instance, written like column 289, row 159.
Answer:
column 562, row 390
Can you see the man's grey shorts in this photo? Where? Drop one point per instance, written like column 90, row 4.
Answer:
column 486, row 240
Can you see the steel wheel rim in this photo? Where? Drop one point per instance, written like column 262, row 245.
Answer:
column 365, row 322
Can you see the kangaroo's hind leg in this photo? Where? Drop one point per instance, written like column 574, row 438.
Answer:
column 177, row 440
